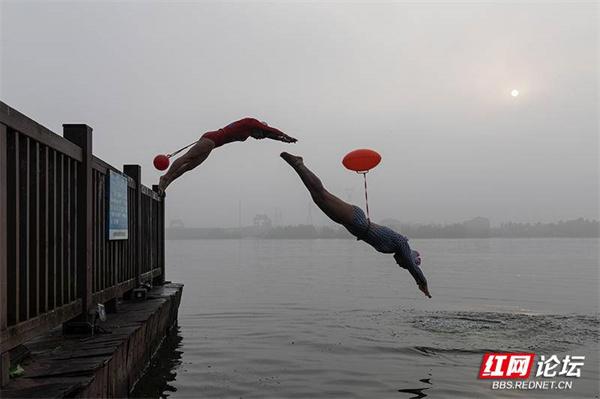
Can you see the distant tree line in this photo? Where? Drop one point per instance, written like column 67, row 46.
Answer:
column 278, row 232
column 474, row 228
column 570, row 228
column 186, row 233
column 306, row 231
column 480, row 228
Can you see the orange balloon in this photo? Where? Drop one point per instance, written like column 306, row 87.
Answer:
column 361, row 160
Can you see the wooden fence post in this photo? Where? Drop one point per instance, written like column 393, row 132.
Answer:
column 4, row 357
column 161, row 237
column 82, row 136
column 135, row 172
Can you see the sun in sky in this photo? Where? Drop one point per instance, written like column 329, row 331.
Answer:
column 514, row 93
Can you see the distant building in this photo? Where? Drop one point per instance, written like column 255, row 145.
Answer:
column 176, row 223
column 262, row 222
column 477, row 227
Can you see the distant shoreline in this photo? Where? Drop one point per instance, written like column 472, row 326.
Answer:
column 353, row 238
column 478, row 227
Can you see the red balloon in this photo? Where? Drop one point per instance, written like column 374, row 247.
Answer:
column 361, row 160
column 161, row 162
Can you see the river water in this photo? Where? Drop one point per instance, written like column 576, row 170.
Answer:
column 335, row 319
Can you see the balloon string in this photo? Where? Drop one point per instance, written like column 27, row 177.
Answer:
column 366, row 197
column 181, row 149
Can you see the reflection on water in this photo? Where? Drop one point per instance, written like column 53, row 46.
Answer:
column 417, row 392
column 162, row 370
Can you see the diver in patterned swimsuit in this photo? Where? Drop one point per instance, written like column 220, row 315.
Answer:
column 382, row 238
column 236, row 131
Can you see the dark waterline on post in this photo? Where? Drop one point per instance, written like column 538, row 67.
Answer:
column 162, row 369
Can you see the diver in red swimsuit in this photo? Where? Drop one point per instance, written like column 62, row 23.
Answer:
column 236, row 131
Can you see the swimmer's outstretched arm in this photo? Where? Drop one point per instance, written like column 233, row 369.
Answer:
column 236, row 131
column 404, row 259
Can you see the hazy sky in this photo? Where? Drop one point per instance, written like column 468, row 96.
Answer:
column 425, row 84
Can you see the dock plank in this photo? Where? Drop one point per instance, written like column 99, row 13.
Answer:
column 102, row 365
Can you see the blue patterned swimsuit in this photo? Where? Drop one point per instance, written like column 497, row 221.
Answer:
column 382, row 238
column 385, row 240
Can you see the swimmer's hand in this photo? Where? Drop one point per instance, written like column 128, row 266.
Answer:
column 425, row 290
column 280, row 136
column 415, row 271
column 260, row 130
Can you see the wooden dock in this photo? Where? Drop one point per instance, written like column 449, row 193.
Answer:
column 103, row 365
column 76, row 236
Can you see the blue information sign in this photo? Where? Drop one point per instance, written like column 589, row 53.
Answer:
column 117, row 206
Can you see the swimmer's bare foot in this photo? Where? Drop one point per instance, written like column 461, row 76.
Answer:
column 293, row 160
column 163, row 182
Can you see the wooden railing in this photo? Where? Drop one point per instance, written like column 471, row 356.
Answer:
column 56, row 261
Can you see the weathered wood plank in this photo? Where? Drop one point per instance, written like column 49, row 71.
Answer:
column 4, row 368
column 103, row 234
column 63, row 389
column 96, row 229
column 82, row 136
column 66, row 220
column 21, row 123
column 43, row 261
column 3, row 227
column 132, row 231
column 33, row 195
column 4, row 358
column 149, row 276
column 104, row 365
column 13, row 212
column 52, row 231
column 135, row 172
column 149, row 193
column 60, row 253
column 23, row 270
column 103, row 167
column 114, row 291
column 21, row 332
column 76, row 230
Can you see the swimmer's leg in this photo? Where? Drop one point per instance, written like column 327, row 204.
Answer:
column 188, row 161
column 337, row 210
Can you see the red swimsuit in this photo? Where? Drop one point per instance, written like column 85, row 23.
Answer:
column 237, row 131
